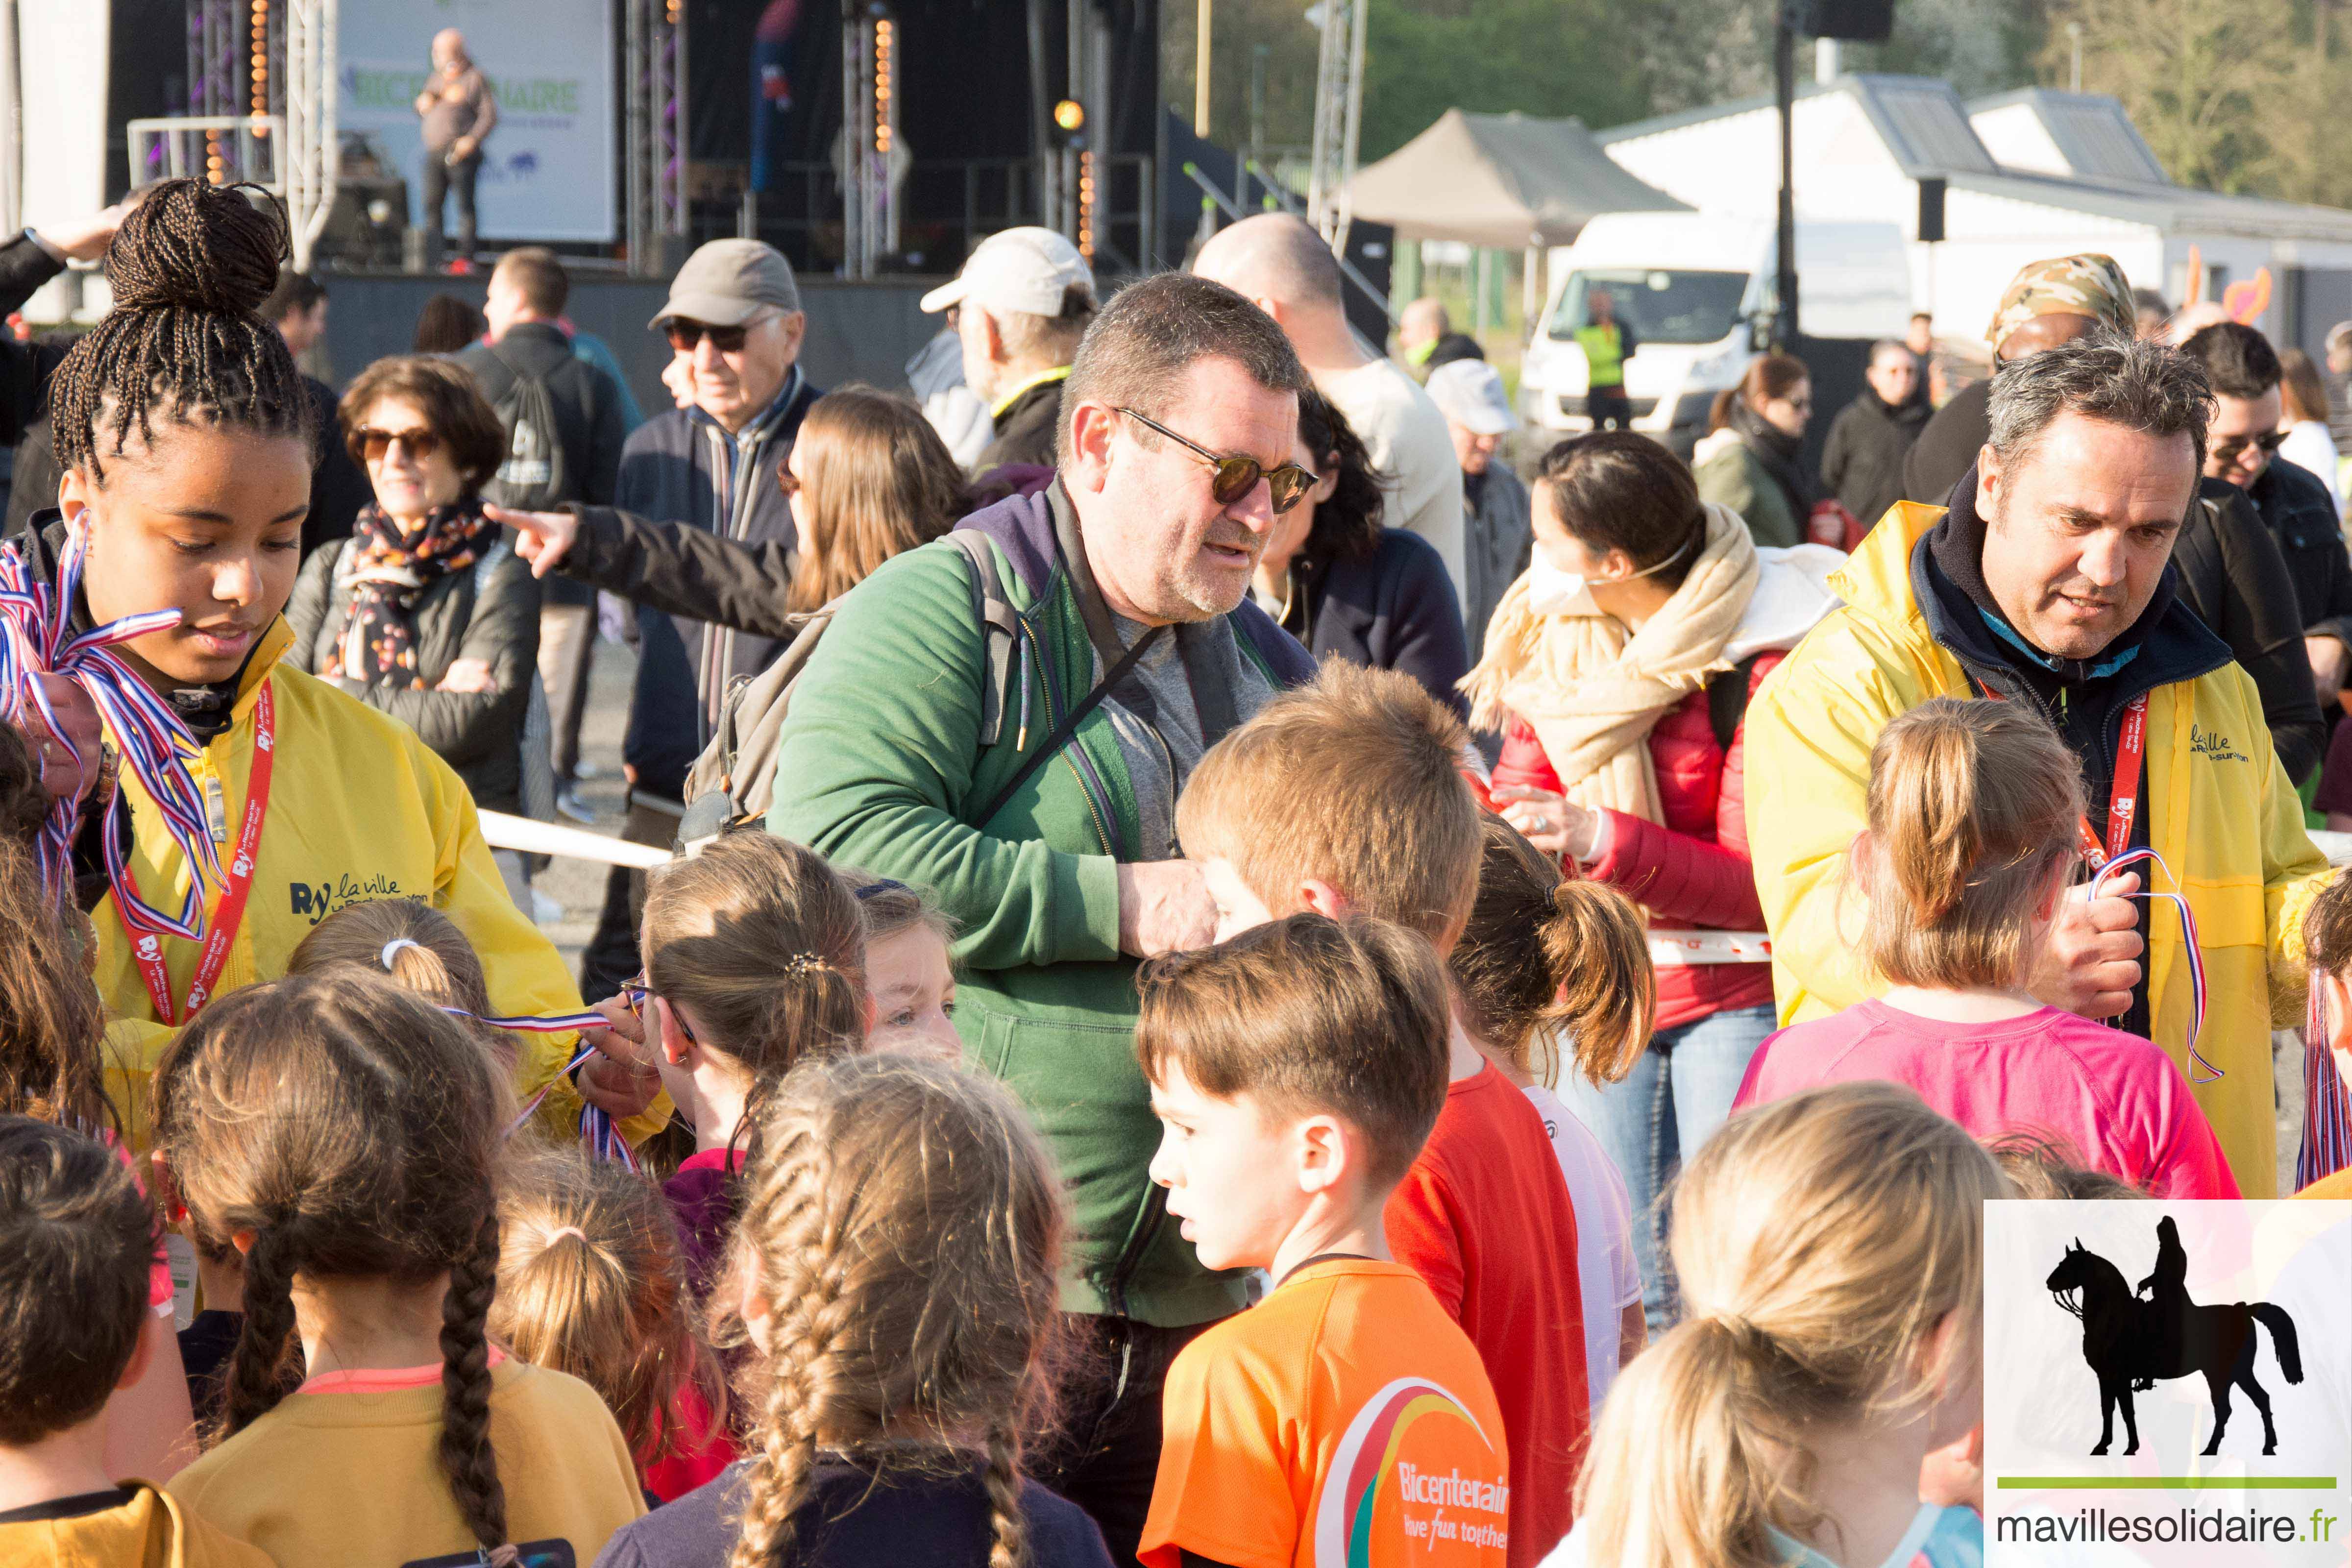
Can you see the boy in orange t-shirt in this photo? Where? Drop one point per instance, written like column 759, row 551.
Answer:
column 1344, row 796
column 1297, row 1070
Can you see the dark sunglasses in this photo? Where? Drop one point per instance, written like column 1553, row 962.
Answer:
column 2230, row 451
column 788, row 484
column 1236, row 476
column 368, row 444
column 684, row 335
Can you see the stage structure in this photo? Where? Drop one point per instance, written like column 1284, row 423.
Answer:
column 652, row 165
column 1338, row 117
column 870, row 153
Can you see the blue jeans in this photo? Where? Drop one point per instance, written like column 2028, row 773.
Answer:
column 1679, row 1092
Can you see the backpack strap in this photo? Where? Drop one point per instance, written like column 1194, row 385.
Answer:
column 1000, row 626
column 1727, row 699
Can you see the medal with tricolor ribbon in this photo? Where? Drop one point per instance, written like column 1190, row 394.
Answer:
column 598, row 1131
column 2124, row 862
column 36, row 640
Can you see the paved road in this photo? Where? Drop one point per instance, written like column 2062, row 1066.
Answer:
column 578, row 886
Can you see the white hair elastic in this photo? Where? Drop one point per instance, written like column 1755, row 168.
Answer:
column 394, row 946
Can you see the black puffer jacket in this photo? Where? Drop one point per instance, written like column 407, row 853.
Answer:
column 490, row 613
column 1863, row 461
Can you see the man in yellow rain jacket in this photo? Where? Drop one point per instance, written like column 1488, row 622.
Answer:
column 2048, row 582
column 359, row 808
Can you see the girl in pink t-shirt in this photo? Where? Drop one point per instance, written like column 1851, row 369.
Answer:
column 1973, row 821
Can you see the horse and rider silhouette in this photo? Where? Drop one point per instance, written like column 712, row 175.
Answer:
column 2130, row 1343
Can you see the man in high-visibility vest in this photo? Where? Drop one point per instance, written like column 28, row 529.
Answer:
column 1607, row 344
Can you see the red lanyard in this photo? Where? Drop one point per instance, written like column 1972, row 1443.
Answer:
column 230, row 913
column 2123, row 795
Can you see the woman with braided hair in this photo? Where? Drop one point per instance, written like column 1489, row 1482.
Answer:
column 184, row 431
column 896, row 1257
column 343, row 1134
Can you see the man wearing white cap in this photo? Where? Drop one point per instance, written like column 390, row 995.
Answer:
column 1497, row 536
column 1022, row 302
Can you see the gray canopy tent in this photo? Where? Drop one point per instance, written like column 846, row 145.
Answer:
column 1506, row 182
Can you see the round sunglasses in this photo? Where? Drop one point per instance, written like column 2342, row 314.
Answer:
column 368, row 444
column 1236, row 476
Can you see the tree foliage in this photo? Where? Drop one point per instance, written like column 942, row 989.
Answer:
column 2212, row 87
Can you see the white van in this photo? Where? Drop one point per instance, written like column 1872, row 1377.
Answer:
column 1698, row 291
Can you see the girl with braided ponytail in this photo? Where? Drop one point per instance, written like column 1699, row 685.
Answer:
column 896, row 1271
column 1974, row 813
column 184, row 431
column 1832, row 1265
column 755, row 959
column 343, row 1134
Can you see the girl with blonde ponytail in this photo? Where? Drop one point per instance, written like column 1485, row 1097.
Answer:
column 1975, row 812
column 895, row 1268
column 1547, row 962
column 1830, row 1259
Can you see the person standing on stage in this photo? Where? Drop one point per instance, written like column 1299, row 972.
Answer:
column 459, row 112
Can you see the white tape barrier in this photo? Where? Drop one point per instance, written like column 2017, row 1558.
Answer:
column 1687, row 947
column 532, row 837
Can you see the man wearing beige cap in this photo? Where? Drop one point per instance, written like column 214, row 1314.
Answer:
column 1021, row 304
column 1497, row 537
column 734, row 324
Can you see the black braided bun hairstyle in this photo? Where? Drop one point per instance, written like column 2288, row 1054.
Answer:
column 190, row 268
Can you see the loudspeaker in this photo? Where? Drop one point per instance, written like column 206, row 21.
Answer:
column 1931, row 210
column 1863, row 21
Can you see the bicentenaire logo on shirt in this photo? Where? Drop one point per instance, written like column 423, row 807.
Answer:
column 2168, row 1383
column 1414, row 1480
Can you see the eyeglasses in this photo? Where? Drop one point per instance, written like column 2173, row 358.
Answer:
column 1236, row 476
column 2230, row 451
column 368, row 444
column 788, row 484
column 684, row 335
column 637, row 994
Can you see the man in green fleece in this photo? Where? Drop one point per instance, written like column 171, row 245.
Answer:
column 1174, row 458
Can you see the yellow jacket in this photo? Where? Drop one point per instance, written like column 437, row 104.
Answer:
column 151, row 1530
column 359, row 808
column 2224, row 817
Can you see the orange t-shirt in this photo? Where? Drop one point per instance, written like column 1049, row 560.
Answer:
column 1484, row 1216
column 2338, row 1186
column 1344, row 1420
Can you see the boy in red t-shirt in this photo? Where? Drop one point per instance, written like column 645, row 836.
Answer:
column 1343, row 797
column 1297, row 1070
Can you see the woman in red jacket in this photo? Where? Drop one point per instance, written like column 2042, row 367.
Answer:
column 1618, row 669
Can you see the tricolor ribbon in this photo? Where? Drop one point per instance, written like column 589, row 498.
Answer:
column 598, row 1131
column 36, row 640
column 2326, row 1103
column 2189, row 937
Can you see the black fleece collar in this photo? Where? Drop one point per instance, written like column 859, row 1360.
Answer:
column 2166, row 645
